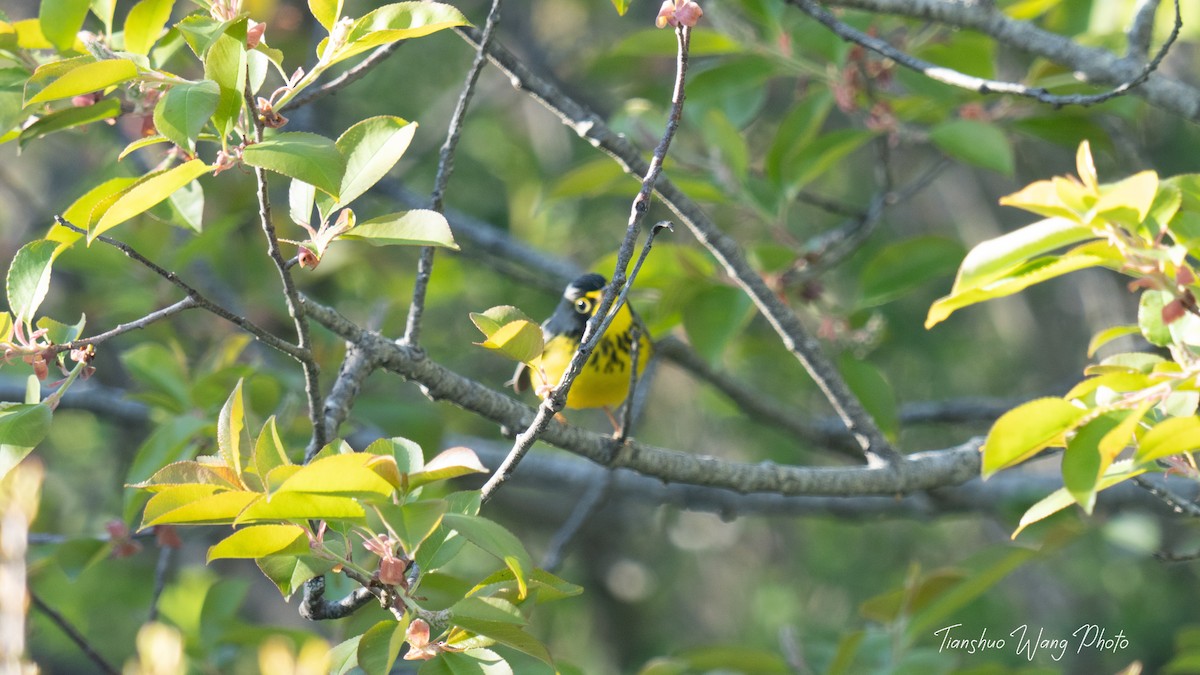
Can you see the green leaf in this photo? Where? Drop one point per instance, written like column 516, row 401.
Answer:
column 506, row 634
column 713, row 317
column 494, row 539
column 187, row 206
column 162, row 371
column 61, row 21
column 590, row 179
column 145, row 24
column 1172, row 436
column 657, row 42
column 69, row 118
column 86, row 79
column 1060, row 499
column 900, row 267
column 28, row 278
column 326, row 12
column 301, row 197
column 289, row 573
column 419, row 227
column 796, row 131
column 820, row 156
column 150, row 190
column 371, row 148
column 259, row 541
column 344, row 657
column 1150, row 319
column 225, row 63
column 1025, row 430
column 487, row 609
column 349, row 475
column 874, row 391
column 301, row 155
column 397, row 21
column 231, row 425
column 184, row 110
column 997, row 566
column 1081, row 463
column 380, row 645
column 75, row 556
column 24, row 425
column 413, row 522
column 621, row 6
column 473, row 661
column 171, row 441
column 408, row 455
column 450, row 463
column 196, row 504
column 975, row 142
column 1108, row 335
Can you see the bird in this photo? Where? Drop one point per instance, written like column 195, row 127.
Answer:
column 604, row 381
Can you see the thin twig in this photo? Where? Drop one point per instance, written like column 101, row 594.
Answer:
column 412, row 328
column 72, row 633
column 269, row 339
column 728, row 253
column 585, row 508
column 635, row 348
column 1177, row 503
column 137, row 324
column 1094, row 64
column 161, row 568
column 341, row 81
column 312, row 381
column 978, row 84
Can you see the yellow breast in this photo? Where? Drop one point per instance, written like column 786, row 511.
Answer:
column 604, row 381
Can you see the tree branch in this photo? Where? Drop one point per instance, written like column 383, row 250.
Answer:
column 1094, row 64
column 787, row 325
column 137, row 324
column 71, row 632
column 918, row 471
column 412, row 328
column 269, row 339
column 345, row 79
column 312, row 382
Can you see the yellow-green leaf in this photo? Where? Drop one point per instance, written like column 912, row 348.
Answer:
column 1136, row 194
column 1025, row 430
column 149, row 191
column 518, row 340
column 145, row 23
column 260, row 541
column 346, row 475
column 86, row 79
column 230, row 430
column 196, row 504
column 1060, row 499
column 1172, row 436
column 301, row 505
column 326, row 12
column 1108, row 335
column 419, row 227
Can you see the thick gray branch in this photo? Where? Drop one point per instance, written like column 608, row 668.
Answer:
column 919, row 471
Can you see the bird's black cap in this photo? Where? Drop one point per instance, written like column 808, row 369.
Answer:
column 585, row 284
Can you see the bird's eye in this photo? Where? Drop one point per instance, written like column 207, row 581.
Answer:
column 583, row 306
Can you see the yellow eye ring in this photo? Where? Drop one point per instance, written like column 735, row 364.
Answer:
column 583, row 306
